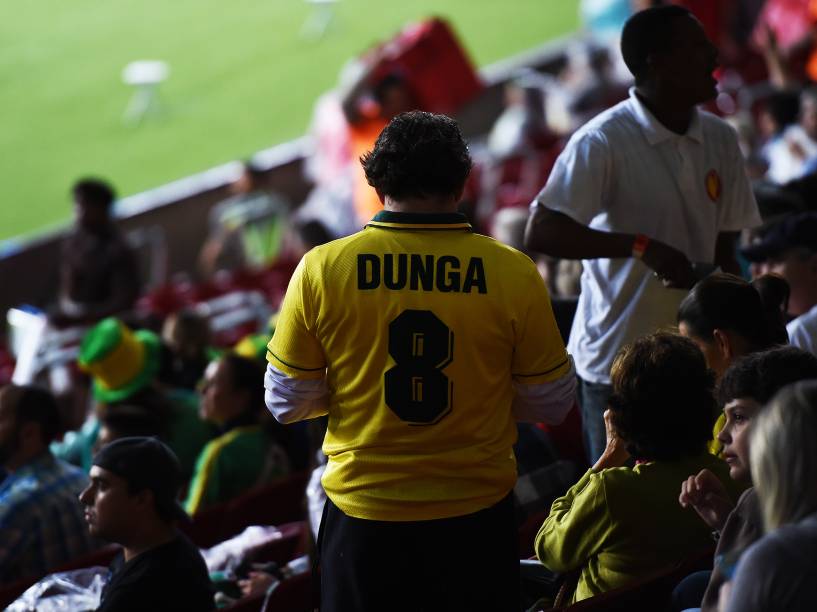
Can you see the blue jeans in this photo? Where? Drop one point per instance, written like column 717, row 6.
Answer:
column 689, row 593
column 593, row 399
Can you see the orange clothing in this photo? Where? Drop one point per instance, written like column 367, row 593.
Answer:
column 363, row 136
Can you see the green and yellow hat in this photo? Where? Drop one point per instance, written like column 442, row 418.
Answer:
column 120, row 361
column 254, row 346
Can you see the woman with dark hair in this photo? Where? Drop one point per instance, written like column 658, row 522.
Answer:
column 728, row 317
column 618, row 523
column 249, row 449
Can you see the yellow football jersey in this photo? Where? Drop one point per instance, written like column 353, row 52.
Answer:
column 419, row 326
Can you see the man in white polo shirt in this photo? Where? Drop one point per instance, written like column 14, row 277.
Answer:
column 651, row 194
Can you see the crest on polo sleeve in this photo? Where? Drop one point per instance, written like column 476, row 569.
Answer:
column 713, row 185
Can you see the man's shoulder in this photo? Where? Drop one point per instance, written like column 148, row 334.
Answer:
column 330, row 250
column 714, row 125
column 616, row 121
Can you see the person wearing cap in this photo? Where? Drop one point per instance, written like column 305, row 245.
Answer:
column 789, row 249
column 132, row 501
column 41, row 524
column 123, row 365
column 640, row 193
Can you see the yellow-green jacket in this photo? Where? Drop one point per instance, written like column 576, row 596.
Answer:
column 619, row 524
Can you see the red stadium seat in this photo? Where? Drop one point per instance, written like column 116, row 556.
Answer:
column 451, row 83
column 273, row 504
column 652, row 592
column 291, row 544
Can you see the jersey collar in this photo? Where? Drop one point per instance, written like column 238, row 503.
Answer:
column 654, row 131
column 417, row 221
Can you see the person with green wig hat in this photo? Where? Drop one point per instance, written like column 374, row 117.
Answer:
column 123, row 365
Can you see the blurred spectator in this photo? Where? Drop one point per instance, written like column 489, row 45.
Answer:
column 41, row 524
column 522, row 127
column 791, row 25
column 123, row 365
column 640, row 192
column 793, row 151
column 127, row 421
column 369, row 103
column 186, row 338
column 749, row 142
column 247, row 229
column 132, row 501
column 779, row 571
column 789, row 249
column 588, row 84
column 775, row 203
column 745, row 388
column 619, row 523
column 99, row 276
column 521, row 148
column 308, row 235
column 246, row 452
column 777, row 112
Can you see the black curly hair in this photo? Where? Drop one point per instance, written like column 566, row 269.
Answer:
column 759, row 376
column 663, row 403
column 418, row 155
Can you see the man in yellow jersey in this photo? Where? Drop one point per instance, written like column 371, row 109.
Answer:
column 423, row 342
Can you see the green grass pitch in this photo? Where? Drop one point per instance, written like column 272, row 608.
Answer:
column 242, row 78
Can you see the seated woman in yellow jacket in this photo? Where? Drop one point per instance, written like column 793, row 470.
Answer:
column 619, row 523
column 249, row 449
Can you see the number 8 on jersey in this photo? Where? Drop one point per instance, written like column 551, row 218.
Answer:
column 416, row 389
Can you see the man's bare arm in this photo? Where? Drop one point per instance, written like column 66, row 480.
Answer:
column 556, row 234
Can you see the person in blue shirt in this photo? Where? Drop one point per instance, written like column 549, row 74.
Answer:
column 41, row 519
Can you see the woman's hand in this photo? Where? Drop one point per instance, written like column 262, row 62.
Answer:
column 615, row 455
column 706, row 493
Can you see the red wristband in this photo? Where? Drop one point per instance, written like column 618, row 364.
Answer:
column 640, row 245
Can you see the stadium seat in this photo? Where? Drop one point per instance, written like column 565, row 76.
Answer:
column 652, row 592
column 272, row 504
column 291, row 544
column 248, row 604
column 292, row 595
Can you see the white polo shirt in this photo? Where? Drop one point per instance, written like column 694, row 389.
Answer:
column 624, row 171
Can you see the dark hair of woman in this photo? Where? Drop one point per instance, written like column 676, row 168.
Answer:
column 248, row 375
column 663, row 397
column 755, row 311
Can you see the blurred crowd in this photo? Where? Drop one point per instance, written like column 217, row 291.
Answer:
column 162, row 390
